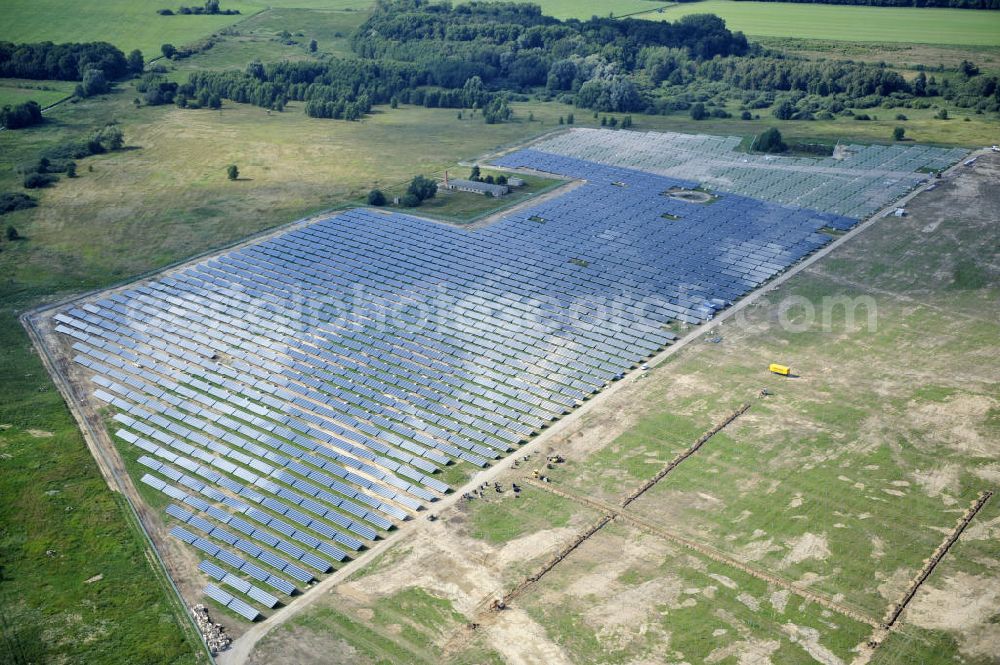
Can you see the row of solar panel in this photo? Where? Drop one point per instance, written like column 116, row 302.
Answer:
column 551, row 284
column 469, row 339
column 686, row 254
column 296, row 438
column 262, row 536
column 268, row 399
column 850, row 183
column 282, row 508
column 228, row 600
column 240, row 401
column 254, row 592
column 244, row 566
column 514, row 438
column 257, row 464
column 354, row 351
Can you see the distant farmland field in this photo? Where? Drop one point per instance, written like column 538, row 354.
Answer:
column 134, row 23
column 854, row 23
column 16, row 91
column 584, row 9
column 128, row 24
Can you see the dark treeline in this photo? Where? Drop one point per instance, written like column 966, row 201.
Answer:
column 802, row 88
column 64, row 62
column 953, row 4
column 211, row 7
column 10, row 202
column 514, row 46
column 413, row 26
column 469, row 56
column 337, row 89
column 817, row 78
column 21, row 115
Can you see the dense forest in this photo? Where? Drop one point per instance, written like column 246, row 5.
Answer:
column 953, row 4
column 20, row 115
column 484, row 55
column 64, row 62
column 469, row 56
column 338, row 89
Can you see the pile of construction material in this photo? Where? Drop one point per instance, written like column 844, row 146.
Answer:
column 213, row 633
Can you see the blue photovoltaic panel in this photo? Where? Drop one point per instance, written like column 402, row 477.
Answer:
column 218, row 594
column 262, row 597
column 281, row 585
column 212, row 570
column 243, row 609
column 298, row 573
column 235, row 582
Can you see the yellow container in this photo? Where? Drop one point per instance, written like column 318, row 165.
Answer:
column 779, row 369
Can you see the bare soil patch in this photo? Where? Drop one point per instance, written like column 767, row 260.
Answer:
column 806, row 546
column 961, row 604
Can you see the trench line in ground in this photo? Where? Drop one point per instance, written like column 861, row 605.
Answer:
column 608, row 512
column 896, row 609
column 674, row 463
column 716, row 555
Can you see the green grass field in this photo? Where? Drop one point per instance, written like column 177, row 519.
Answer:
column 464, row 207
column 128, row 24
column 257, row 38
column 921, row 126
column 332, row 29
column 18, row 91
column 907, row 57
column 584, row 9
column 664, row 599
column 806, row 464
column 853, row 23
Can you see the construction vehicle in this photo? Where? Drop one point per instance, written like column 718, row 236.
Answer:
column 782, row 370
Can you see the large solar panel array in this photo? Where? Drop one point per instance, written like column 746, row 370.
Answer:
column 860, row 181
column 298, row 397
